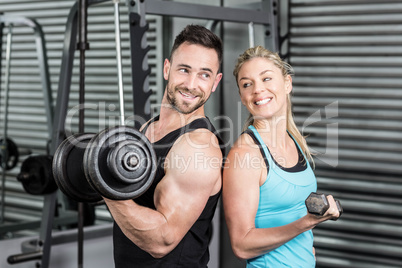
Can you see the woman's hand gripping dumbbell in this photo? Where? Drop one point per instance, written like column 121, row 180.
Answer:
column 318, row 204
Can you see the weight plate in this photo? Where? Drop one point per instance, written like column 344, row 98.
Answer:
column 10, row 150
column 120, row 163
column 68, row 169
column 317, row 203
column 36, row 175
column 128, row 161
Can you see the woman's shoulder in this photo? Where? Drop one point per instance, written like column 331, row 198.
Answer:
column 245, row 146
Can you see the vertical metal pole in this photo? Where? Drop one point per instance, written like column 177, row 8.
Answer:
column 7, row 81
column 64, row 86
column 45, row 235
column 1, row 49
column 283, row 32
column 6, row 97
column 139, row 63
column 271, row 30
column 1, row 45
column 118, row 58
column 45, row 76
column 251, row 34
column 82, row 46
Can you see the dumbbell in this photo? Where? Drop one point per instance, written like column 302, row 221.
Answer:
column 317, row 203
column 9, row 154
column 118, row 163
column 36, row 175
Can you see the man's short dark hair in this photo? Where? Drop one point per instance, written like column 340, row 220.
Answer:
column 198, row 35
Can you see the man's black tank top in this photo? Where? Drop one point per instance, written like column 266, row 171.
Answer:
column 192, row 251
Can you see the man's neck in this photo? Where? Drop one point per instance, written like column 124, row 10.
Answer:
column 170, row 119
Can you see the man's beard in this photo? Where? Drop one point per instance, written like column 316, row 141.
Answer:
column 184, row 108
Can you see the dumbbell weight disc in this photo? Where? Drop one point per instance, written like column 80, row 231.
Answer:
column 12, row 153
column 68, row 169
column 317, row 203
column 36, row 175
column 120, row 163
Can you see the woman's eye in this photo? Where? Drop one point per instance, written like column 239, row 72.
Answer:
column 246, row 85
column 266, row 79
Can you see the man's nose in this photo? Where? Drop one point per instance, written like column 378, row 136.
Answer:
column 191, row 82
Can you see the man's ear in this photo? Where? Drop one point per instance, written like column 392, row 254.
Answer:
column 166, row 69
column 288, row 84
column 217, row 80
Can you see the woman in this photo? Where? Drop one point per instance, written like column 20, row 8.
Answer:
column 267, row 174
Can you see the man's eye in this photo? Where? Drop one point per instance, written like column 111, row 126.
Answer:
column 205, row 75
column 183, row 70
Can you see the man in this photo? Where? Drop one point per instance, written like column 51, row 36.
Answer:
column 169, row 225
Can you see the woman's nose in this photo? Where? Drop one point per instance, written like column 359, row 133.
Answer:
column 258, row 87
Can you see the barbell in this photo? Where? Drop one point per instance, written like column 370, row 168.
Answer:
column 118, row 163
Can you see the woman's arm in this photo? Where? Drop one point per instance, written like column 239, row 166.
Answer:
column 244, row 170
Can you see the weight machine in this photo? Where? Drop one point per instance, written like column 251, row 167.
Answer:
column 41, row 52
column 137, row 10
column 12, row 21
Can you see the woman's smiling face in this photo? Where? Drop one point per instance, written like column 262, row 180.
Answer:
column 263, row 88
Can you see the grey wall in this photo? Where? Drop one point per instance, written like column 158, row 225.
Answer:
column 345, row 53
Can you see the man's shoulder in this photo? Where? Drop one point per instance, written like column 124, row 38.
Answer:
column 200, row 139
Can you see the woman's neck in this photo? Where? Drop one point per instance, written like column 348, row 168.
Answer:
column 272, row 131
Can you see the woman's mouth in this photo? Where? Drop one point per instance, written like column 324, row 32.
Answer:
column 263, row 101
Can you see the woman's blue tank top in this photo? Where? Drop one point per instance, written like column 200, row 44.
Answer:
column 281, row 202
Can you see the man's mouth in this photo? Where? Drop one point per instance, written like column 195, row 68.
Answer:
column 187, row 95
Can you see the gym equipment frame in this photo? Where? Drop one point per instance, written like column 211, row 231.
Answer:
column 138, row 9
column 49, row 200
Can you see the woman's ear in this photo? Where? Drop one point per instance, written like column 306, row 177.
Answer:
column 288, row 84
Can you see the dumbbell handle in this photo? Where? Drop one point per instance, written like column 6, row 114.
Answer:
column 24, row 177
column 23, row 257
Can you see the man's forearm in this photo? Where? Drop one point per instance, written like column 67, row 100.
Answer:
column 145, row 227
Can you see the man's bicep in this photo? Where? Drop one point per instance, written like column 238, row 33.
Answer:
column 183, row 192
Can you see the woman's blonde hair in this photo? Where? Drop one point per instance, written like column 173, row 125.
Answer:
column 287, row 69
